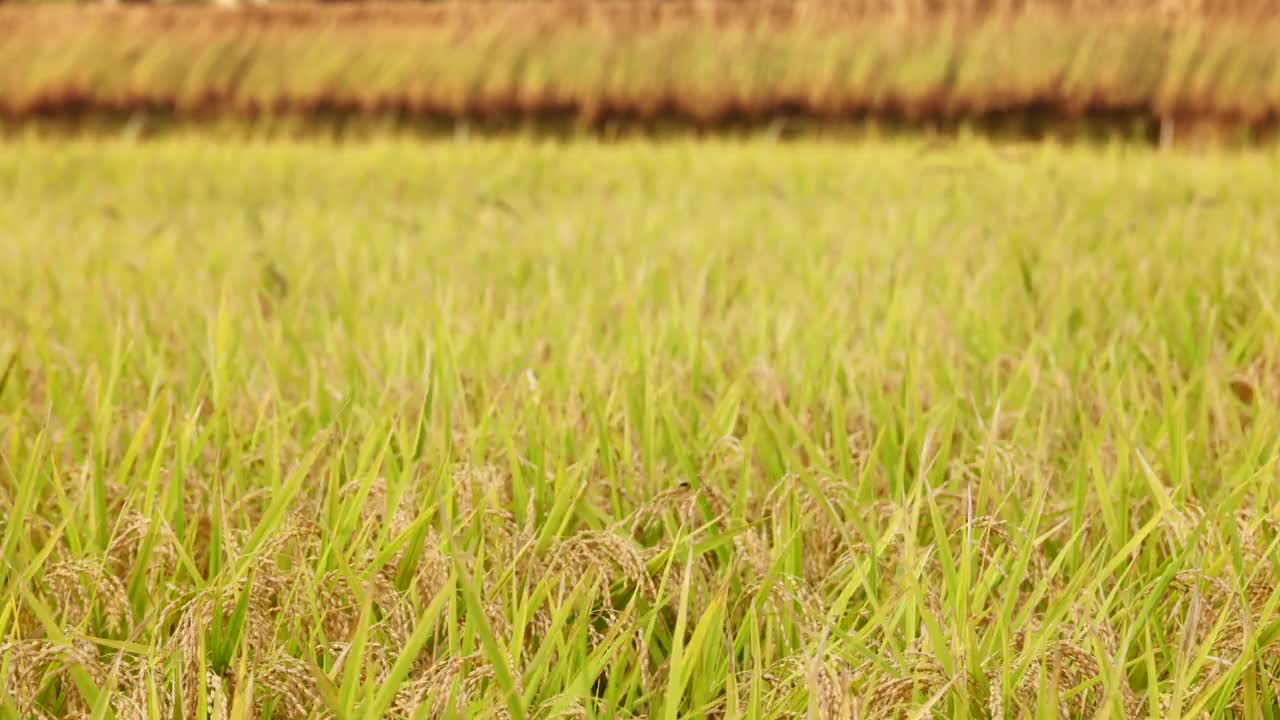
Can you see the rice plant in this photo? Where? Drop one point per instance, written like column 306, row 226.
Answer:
column 686, row 430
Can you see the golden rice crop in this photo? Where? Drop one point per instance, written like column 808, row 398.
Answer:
column 603, row 64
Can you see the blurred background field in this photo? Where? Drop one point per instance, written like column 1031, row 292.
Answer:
column 1156, row 70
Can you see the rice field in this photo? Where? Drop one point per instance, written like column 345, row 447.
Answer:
column 719, row 429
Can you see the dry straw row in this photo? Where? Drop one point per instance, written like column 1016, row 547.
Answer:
column 597, row 64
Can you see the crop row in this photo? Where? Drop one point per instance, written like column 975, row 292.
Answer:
column 512, row 63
